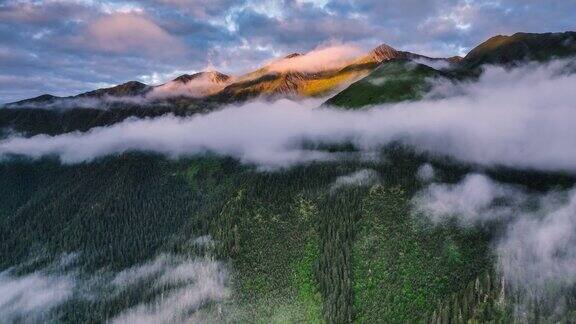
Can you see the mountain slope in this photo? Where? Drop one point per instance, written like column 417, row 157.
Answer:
column 269, row 82
column 292, row 84
column 400, row 80
column 45, row 98
column 128, row 89
column 298, row 251
column 266, row 82
column 294, row 250
column 213, row 76
column 393, row 81
column 34, row 121
column 520, row 47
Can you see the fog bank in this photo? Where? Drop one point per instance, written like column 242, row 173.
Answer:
column 535, row 251
column 521, row 119
column 185, row 286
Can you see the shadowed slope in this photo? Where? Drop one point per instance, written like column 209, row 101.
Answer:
column 520, row 47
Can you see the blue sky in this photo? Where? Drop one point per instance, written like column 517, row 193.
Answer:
column 65, row 47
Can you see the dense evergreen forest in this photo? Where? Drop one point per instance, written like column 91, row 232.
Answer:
column 298, row 250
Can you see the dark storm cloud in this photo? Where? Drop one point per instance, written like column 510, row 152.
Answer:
column 73, row 45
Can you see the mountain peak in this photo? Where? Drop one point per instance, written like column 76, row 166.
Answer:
column 212, row 76
column 42, row 99
column 130, row 88
column 289, row 56
column 454, row 59
column 384, row 52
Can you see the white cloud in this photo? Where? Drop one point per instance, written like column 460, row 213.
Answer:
column 537, row 252
column 320, row 59
column 31, row 298
column 138, row 274
column 185, row 286
column 436, row 64
column 426, row 172
column 361, row 178
column 521, row 118
column 535, row 246
column 471, row 201
column 198, row 282
column 203, row 85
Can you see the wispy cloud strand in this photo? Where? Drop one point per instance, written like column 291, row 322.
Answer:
column 521, row 118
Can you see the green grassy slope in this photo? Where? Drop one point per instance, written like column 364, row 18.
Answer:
column 393, row 81
column 401, row 80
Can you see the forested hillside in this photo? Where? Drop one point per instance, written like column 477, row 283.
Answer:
column 141, row 236
column 294, row 245
column 300, row 248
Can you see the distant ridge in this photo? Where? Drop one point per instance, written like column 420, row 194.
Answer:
column 213, row 76
column 267, row 82
column 45, row 98
column 520, row 47
column 130, row 88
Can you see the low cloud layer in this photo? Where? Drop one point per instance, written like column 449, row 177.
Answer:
column 437, row 64
column 471, row 200
column 185, row 286
column 535, row 251
column 32, row 297
column 201, row 86
column 320, row 59
column 521, row 118
column 360, row 178
column 198, row 282
column 426, row 173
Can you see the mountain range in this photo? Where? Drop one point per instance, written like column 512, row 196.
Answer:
column 268, row 82
column 265, row 82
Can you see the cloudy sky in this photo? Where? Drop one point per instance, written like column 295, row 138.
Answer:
column 64, row 47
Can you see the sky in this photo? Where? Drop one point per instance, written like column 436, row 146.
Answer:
column 65, row 47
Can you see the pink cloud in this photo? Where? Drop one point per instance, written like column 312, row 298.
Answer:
column 320, row 59
column 205, row 84
column 131, row 33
